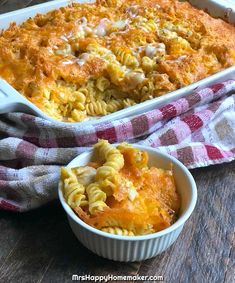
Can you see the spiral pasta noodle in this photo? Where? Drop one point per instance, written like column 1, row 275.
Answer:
column 85, row 174
column 113, row 157
column 80, row 100
column 96, row 108
column 147, row 90
column 125, row 57
column 114, row 162
column 116, row 73
column 77, row 115
column 128, row 102
column 148, row 26
column 102, row 83
column 117, row 231
column 114, row 105
column 147, row 64
column 96, row 198
column 73, row 191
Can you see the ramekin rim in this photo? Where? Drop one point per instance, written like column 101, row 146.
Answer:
column 179, row 222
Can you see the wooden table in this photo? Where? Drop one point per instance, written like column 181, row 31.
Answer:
column 39, row 246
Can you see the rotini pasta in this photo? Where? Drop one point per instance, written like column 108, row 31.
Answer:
column 96, row 108
column 85, row 175
column 128, row 102
column 102, row 83
column 117, row 231
column 147, row 90
column 96, row 198
column 113, row 163
column 114, row 105
column 112, row 155
column 77, row 116
column 80, row 100
column 147, row 26
column 119, row 194
column 74, row 192
column 125, row 57
column 147, row 64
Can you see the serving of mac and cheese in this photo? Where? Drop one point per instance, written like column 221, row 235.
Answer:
column 119, row 193
column 89, row 60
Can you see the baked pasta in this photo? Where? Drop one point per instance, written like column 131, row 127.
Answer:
column 89, row 60
column 119, row 193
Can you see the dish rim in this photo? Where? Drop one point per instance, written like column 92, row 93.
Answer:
column 179, row 222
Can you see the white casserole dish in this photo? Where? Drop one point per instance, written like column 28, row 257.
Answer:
column 136, row 248
column 11, row 100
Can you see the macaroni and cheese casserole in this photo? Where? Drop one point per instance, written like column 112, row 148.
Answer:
column 93, row 59
column 119, row 193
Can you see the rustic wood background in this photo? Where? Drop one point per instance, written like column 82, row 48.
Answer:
column 39, row 246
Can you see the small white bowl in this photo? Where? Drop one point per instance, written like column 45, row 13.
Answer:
column 136, row 248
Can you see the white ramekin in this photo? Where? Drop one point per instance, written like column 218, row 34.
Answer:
column 136, row 248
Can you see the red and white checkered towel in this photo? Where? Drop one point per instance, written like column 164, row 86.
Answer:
column 199, row 130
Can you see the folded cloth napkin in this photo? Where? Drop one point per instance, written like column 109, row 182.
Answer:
column 199, row 130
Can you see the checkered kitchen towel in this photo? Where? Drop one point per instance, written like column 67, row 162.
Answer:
column 199, row 130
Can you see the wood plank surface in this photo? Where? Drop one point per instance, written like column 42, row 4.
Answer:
column 39, row 246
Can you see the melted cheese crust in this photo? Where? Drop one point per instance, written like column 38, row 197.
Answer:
column 88, row 60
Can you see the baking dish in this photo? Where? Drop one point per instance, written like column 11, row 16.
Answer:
column 11, row 100
column 135, row 248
